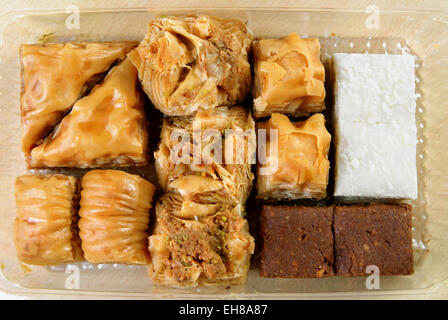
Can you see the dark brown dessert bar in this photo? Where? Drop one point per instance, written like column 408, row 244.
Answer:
column 376, row 234
column 297, row 242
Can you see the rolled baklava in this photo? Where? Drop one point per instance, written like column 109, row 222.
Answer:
column 296, row 164
column 196, row 243
column 45, row 229
column 289, row 76
column 105, row 128
column 114, row 217
column 191, row 62
column 54, row 76
column 207, row 157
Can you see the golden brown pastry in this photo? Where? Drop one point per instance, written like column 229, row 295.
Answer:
column 289, row 77
column 105, row 128
column 114, row 217
column 191, row 62
column 198, row 244
column 302, row 166
column 45, row 229
column 208, row 178
column 54, row 76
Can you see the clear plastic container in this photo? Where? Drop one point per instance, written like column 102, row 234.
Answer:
column 423, row 33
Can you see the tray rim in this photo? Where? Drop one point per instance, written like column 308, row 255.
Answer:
column 10, row 287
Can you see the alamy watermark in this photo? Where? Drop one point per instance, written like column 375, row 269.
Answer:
column 235, row 146
column 72, row 22
column 373, row 19
column 72, row 281
column 373, row 280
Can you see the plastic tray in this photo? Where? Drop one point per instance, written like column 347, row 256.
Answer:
column 423, row 33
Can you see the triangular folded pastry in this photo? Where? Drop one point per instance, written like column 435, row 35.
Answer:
column 105, row 128
column 54, row 76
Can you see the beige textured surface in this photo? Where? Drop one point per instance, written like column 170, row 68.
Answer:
column 436, row 5
column 439, row 291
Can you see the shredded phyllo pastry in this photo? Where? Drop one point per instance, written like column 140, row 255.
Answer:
column 105, row 128
column 195, row 243
column 45, row 229
column 54, row 76
column 300, row 168
column 289, row 76
column 114, row 217
column 221, row 176
column 192, row 62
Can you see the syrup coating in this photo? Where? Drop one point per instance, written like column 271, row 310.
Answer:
column 225, row 178
column 45, row 231
column 187, row 250
column 114, row 217
column 302, row 166
column 54, row 76
column 105, row 128
column 289, row 76
column 191, row 62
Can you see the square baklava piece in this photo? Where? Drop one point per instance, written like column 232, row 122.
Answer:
column 114, row 217
column 106, row 128
column 296, row 164
column 55, row 76
column 207, row 157
column 45, row 229
column 195, row 243
column 375, row 126
column 297, row 242
column 289, row 76
column 186, row 63
column 373, row 235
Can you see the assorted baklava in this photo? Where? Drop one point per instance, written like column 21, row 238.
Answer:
column 83, row 106
column 195, row 243
column 289, row 76
column 191, row 62
column 55, row 76
column 208, row 157
column 45, row 228
column 295, row 165
column 114, row 217
column 105, row 128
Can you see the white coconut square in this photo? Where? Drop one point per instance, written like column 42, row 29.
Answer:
column 374, row 88
column 375, row 160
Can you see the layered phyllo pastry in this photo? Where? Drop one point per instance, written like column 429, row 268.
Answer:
column 54, row 76
column 105, row 128
column 376, row 132
column 114, row 217
column 295, row 164
column 289, row 76
column 196, row 243
column 45, row 229
column 191, row 62
column 207, row 157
